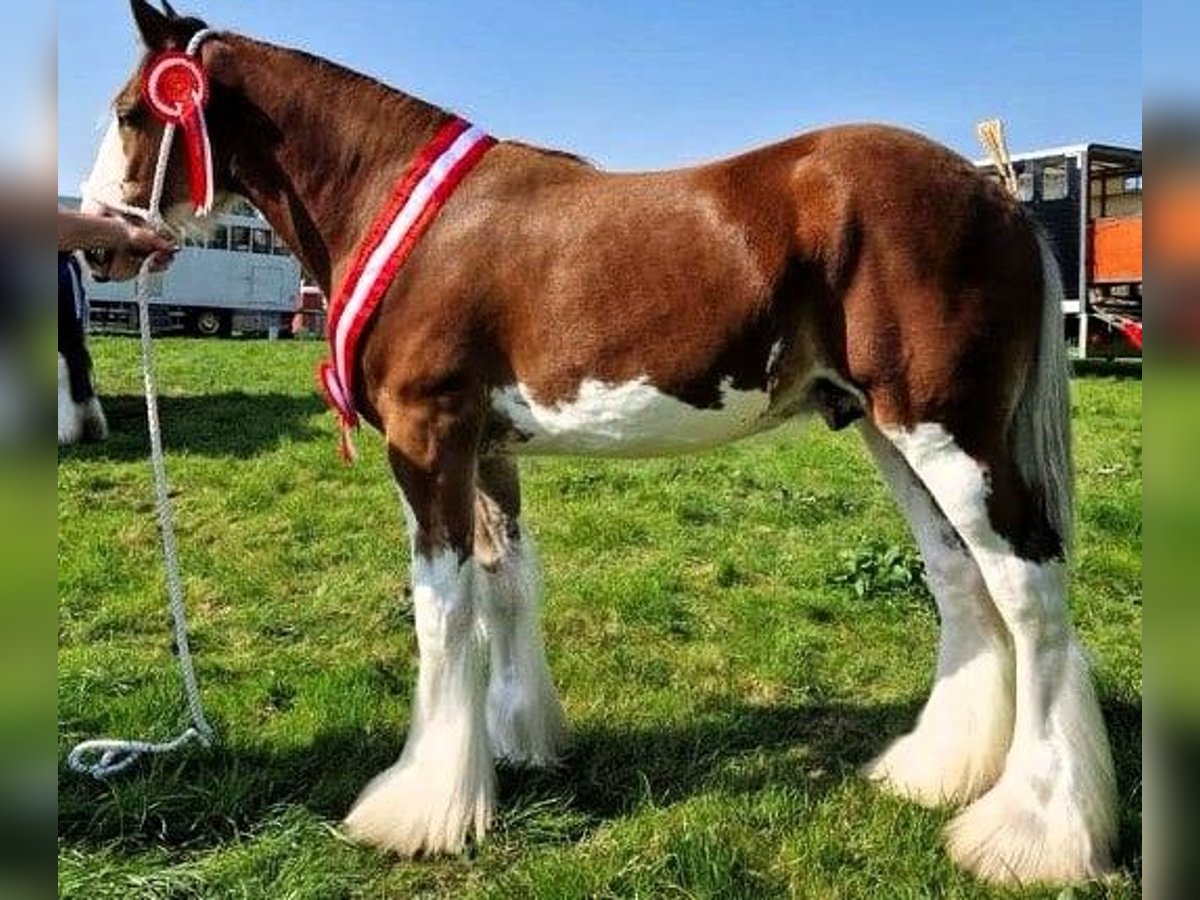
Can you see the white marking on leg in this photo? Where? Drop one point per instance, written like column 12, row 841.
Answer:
column 442, row 790
column 1052, row 814
column 70, row 420
column 774, row 357
column 410, row 520
column 525, row 718
column 629, row 419
column 957, row 749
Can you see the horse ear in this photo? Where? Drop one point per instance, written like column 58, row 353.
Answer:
column 154, row 27
column 169, row 10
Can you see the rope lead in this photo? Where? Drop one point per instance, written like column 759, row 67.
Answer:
column 116, row 755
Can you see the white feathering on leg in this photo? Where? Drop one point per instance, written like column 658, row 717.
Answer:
column 957, row 749
column 442, row 790
column 1052, row 815
column 70, row 421
column 525, row 718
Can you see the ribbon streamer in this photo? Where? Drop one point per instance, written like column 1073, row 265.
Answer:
column 176, row 89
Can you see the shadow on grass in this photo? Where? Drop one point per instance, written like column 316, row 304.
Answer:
column 206, row 799
column 1123, row 369
column 223, row 424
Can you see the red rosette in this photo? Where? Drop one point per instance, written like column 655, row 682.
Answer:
column 175, row 86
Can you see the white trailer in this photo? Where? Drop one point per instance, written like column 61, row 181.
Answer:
column 241, row 278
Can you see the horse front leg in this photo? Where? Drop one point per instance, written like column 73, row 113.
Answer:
column 524, row 716
column 441, row 792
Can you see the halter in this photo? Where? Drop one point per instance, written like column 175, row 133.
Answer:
column 176, row 89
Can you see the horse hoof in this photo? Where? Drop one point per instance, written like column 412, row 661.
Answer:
column 1009, row 837
column 415, row 810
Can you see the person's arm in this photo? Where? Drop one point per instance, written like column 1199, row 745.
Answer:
column 80, row 231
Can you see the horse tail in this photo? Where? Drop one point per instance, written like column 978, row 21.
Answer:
column 1041, row 434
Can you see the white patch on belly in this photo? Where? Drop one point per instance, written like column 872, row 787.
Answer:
column 629, row 419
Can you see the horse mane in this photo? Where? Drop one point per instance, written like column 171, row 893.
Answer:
column 387, row 93
column 401, row 101
column 403, row 97
column 565, row 155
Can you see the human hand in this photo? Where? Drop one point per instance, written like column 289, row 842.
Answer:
column 141, row 241
column 129, row 247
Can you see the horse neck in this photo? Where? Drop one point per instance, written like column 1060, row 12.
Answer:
column 318, row 149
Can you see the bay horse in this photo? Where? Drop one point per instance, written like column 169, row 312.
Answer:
column 862, row 273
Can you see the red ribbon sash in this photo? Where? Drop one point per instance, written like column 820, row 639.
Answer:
column 418, row 197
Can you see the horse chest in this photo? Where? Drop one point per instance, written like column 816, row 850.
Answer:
column 633, row 418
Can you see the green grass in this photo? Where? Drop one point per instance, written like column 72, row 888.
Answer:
column 723, row 671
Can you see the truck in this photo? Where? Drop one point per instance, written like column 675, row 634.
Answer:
column 1088, row 199
column 240, row 277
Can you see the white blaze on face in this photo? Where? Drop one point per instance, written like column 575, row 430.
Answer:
column 630, row 419
column 103, row 186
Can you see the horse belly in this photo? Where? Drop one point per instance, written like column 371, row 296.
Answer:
column 630, row 419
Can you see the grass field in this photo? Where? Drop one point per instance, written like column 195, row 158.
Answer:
column 733, row 635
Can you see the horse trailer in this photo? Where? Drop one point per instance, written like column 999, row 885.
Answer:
column 242, row 277
column 1088, row 198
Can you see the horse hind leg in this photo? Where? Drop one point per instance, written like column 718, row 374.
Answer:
column 1051, row 816
column 524, row 716
column 957, row 748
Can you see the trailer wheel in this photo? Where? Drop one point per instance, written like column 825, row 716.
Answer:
column 211, row 323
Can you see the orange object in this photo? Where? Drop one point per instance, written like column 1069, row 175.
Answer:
column 1176, row 229
column 1115, row 250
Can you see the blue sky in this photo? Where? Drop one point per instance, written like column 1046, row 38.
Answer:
column 653, row 84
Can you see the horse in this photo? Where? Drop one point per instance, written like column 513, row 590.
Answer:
column 862, row 273
column 80, row 415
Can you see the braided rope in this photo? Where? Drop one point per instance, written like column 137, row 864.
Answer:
column 115, row 755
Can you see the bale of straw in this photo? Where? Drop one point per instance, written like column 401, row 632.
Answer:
column 991, row 135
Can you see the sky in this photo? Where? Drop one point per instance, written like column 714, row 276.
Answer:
column 643, row 85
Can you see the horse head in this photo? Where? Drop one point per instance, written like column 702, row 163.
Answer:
column 122, row 178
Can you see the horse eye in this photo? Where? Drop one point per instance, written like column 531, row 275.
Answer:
column 128, row 118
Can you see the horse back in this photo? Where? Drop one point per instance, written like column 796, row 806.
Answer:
column 730, row 289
